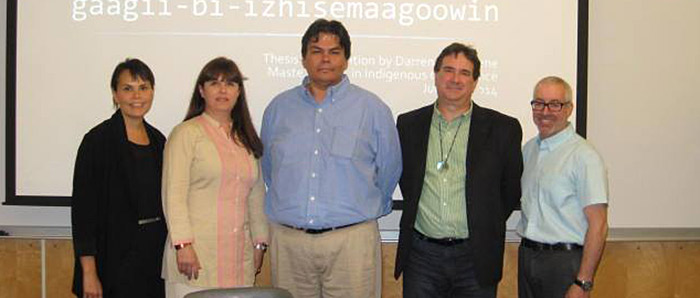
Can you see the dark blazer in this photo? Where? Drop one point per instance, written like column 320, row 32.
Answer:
column 494, row 165
column 104, row 212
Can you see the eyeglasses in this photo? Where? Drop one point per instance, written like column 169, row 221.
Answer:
column 554, row 106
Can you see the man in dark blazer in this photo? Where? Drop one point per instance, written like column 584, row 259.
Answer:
column 460, row 183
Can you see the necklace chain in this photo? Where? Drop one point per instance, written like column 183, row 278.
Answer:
column 443, row 158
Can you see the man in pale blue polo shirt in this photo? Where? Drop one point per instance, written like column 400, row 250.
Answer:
column 564, row 202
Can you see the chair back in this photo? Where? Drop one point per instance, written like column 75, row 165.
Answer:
column 252, row 292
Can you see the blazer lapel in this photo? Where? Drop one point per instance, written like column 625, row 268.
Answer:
column 478, row 133
column 156, row 145
column 124, row 158
column 422, row 133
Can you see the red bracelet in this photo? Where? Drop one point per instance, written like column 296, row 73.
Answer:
column 181, row 245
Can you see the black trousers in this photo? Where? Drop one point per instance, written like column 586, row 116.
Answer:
column 546, row 273
column 433, row 270
column 140, row 272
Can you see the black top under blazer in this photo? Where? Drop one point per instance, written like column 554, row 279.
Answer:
column 494, row 165
column 104, row 212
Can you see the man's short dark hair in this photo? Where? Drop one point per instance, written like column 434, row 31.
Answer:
column 136, row 68
column 329, row 27
column 456, row 49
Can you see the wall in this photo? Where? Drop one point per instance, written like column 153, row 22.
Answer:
column 628, row 269
column 643, row 107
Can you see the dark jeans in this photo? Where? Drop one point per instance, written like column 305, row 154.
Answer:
column 433, row 270
column 546, row 273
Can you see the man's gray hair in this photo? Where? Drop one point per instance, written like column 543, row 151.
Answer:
column 568, row 96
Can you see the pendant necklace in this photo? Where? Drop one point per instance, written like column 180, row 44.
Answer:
column 442, row 164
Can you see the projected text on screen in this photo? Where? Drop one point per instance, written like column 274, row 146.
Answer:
column 403, row 13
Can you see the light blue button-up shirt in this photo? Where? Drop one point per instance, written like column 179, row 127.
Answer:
column 332, row 163
column 563, row 174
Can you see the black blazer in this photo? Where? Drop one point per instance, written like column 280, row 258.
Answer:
column 494, row 165
column 104, row 212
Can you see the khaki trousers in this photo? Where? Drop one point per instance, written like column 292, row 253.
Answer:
column 341, row 263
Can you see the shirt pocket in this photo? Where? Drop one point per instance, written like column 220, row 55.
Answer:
column 344, row 142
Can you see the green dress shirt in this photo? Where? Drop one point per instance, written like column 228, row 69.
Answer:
column 442, row 209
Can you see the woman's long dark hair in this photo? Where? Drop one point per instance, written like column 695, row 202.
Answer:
column 243, row 128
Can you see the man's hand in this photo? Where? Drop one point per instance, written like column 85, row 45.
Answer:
column 576, row 292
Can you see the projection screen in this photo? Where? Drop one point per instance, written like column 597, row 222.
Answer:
column 62, row 54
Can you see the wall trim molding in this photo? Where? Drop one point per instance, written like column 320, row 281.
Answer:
column 390, row 236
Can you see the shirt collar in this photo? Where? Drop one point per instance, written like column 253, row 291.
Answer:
column 215, row 123
column 334, row 92
column 465, row 115
column 557, row 139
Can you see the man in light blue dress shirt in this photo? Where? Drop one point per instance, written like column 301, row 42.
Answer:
column 331, row 163
column 564, row 202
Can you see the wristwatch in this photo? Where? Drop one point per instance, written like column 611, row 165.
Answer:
column 586, row 285
column 260, row 246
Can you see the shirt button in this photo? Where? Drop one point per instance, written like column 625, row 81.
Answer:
column 318, row 130
column 316, row 152
column 444, row 204
column 313, row 175
column 312, row 198
column 320, row 110
column 311, row 221
column 444, row 179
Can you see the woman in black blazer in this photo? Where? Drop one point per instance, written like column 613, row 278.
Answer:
column 118, row 227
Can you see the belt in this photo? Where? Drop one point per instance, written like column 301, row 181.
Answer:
column 320, row 231
column 440, row 241
column 145, row 221
column 544, row 246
